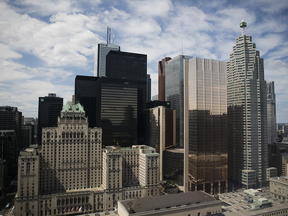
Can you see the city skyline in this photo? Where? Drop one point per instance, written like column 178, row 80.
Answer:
column 46, row 44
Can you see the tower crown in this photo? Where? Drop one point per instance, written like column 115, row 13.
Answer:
column 243, row 25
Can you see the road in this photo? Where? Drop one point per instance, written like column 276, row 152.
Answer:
column 8, row 197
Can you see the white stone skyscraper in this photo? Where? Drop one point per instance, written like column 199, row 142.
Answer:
column 271, row 113
column 247, row 115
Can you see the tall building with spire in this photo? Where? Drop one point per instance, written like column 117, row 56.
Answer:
column 247, row 114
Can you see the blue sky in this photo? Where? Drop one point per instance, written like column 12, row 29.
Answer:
column 45, row 43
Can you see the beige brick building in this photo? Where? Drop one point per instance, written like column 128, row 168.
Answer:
column 70, row 172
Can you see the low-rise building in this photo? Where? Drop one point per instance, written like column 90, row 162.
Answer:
column 279, row 187
column 190, row 203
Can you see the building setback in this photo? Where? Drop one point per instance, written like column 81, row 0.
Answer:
column 247, row 114
column 207, row 110
column 70, row 173
column 49, row 109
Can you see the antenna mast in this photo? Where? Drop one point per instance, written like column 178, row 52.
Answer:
column 243, row 26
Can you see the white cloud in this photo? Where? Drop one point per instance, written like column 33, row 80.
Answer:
column 150, row 8
column 7, row 53
column 47, row 7
column 270, row 41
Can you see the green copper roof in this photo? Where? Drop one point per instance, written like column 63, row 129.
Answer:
column 243, row 24
column 69, row 107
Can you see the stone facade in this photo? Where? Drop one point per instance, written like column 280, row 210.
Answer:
column 70, row 172
column 279, row 187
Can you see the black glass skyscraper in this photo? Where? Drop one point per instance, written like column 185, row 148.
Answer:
column 131, row 66
column 125, row 65
column 10, row 137
column 85, row 94
column 49, row 109
column 117, row 111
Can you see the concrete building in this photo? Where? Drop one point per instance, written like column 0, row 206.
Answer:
column 279, row 187
column 207, row 113
column 271, row 113
column 160, row 134
column 247, row 113
column 161, row 79
column 182, row 204
column 70, row 173
column 174, row 84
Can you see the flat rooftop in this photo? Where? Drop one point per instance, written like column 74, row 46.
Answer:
column 168, row 201
column 234, row 203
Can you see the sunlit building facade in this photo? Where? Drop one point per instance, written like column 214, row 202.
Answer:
column 70, row 173
column 174, row 84
column 207, row 108
column 247, row 115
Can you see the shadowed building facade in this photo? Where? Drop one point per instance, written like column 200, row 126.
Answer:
column 117, row 111
column 207, row 109
column 49, row 109
column 85, row 94
column 247, row 115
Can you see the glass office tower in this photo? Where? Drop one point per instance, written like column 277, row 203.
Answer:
column 116, row 111
column 85, row 94
column 49, row 109
column 100, row 58
column 174, row 84
column 271, row 112
column 207, row 108
column 247, row 115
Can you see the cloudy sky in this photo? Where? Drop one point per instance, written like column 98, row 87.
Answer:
column 45, row 43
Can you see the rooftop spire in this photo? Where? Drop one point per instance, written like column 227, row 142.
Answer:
column 243, row 25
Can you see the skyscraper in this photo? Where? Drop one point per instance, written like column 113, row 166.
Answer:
column 207, row 110
column 174, row 82
column 49, row 109
column 126, row 65
column 161, row 78
column 148, row 89
column 160, row 130
column 117, row 111
column 100, row 58
column 247, row 114
column 271, row 113
column 85, row 94
column 10, row 137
